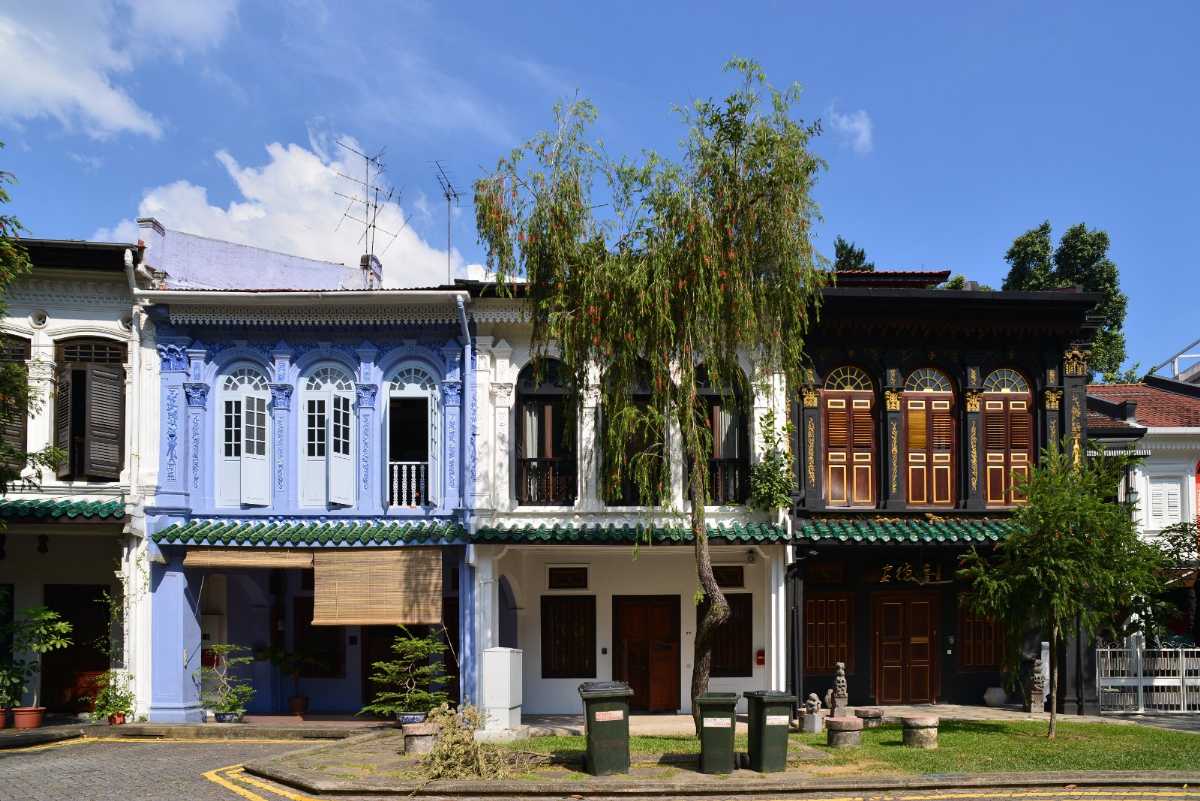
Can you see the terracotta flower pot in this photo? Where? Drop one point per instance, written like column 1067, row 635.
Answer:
column 116, row 719
column 3, row 717
column 28, row 717
column 298, row 704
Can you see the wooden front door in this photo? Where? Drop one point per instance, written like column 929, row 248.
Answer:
column 646, row 649
column 69, row 675
column 906, row 648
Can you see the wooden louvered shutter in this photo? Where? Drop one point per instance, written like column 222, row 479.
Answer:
column 981, row 642
column 1020, row 444
column 104, row 434
column 862, row 444
column 941, row 451
column 837, row 450
column 1007, row 447
column 916, row 441
column 930, row 440
column 828, row 631
column 62, row 421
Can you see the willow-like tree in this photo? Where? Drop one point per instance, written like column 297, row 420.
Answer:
column 642, row 270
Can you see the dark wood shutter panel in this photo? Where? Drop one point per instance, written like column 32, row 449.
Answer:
column 981, row 642
column 828, row 627
column 930, row 438
column 568, row 636
column 105, row 431
column 732, row 642
column 1007, row 446
column 849, row 448
column 62, row 421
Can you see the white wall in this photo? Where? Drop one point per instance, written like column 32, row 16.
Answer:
column 616, row 570
column 1173, row 456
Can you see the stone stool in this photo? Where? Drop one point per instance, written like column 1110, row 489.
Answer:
column 843, row 732
column 871, row 716
column 419, row 737
column 920, row 732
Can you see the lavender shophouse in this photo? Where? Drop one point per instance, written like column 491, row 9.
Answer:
column 315, row 451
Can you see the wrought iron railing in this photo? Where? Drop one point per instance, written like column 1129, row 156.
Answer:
column 728, row 481
column 408, row 484
column 546, row 482
column 1156, row 680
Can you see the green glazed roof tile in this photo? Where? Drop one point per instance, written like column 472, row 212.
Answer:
column 310, row 534
column 895, row 531
column 60, row 508
column 601, row 534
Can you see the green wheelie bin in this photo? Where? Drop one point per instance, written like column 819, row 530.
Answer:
column 770, row 719
column 718, row 722
column 606, row 721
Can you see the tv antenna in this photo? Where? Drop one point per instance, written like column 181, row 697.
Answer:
column 452, row 197
column 364, row 210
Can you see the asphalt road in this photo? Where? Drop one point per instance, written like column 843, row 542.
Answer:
column 208, row 771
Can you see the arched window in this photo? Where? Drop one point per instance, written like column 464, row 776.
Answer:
column 729, row 463
column 414, row 437
column 89, row 408
column 1007, row 435
column 244, row 476
column 930, row 422
column 848, row 405
column 327, row 438
column 14, row 412
column 642, row 444
column 546, row 472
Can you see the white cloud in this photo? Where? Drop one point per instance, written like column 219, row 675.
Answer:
column 288, row 204
column 88, row 163
column 854, row 128
column 65, row 59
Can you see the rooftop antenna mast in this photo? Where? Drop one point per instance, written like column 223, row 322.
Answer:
column 367, row 207
column 452, row 197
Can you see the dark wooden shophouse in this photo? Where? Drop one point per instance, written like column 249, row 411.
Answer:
column 922, row 409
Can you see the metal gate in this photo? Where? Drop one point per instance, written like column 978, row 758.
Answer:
column 1151, row 680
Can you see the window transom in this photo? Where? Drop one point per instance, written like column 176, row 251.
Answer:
column 245, row 378
column 328, row 378
column 851, row 378
column 1005, row 380
column 928, row 379
column 412, row 376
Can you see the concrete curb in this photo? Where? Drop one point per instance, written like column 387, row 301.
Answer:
column 24, row 738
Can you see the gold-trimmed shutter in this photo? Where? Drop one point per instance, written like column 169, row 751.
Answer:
column 248, row 557
column 837, row 449
column 377, row 587
column 862, row 444
column 941, row 450
column 916, row 442
column 1007, row 447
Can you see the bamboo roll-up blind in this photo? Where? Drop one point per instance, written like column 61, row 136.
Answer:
column 378, row 587
column 248, row 557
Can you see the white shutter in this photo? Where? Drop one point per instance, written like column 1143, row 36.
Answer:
column 256, row 469
column 435, row 450
column 1174, row 504
column 341, row 460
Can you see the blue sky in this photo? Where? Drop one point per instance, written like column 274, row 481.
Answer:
column 950, row 127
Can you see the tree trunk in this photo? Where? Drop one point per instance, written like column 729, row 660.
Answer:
column 1053, row 682
column 718, row 607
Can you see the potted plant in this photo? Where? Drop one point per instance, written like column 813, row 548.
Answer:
column 411, row 683
column 38, row 630
column 226, row 693
column 293, row 664
column 11, row 680
column 114, row 698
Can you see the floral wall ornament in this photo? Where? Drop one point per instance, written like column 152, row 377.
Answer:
column 281, row 396
column 974, row 442
column 173, row 358
column 1052, row 376
column 973, row 401
column 197, row 395
column 1053, row 399
column 892, row 399
column 1075, row 362
column 810, row 398
column 894, row 453
column 810, row 438
column 972, row 376
column 365, row 395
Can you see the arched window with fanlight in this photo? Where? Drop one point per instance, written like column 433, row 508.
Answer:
column 327, row 438
column 848, row 406
column 414, row 437
column 1007, row 436
column 545, row 474
column 930, row 424
column 243, row 446
column 89, row 408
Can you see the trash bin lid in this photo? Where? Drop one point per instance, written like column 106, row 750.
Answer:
column 604, row 689
column 777, row 696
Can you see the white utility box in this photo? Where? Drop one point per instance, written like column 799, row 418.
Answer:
column 502, row 696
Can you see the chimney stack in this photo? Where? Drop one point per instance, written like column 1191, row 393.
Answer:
column 372, row 271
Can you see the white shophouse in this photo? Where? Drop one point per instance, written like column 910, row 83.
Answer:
column 566, row 575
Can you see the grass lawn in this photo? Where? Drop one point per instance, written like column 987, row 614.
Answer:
column 964, row 747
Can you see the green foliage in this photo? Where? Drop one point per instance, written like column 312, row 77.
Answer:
column 114, row 696
column 36, row 631
column 414, row 680
column 224, row 689
column 772, row 482
column 1074, row 555
column 1081, row 259
column 645, row 269
column 848, row 257
column 294, row 663
column 16, row 401
column 959, row 281
column 457, row 754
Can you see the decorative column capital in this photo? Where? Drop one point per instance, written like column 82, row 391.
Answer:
column 891, row 399
column 452, row 393
column 173, row 358
column 974, row 401
column 502, row 394
column 1075, row 362
column 197, row 395
column 1053, row 399
column 811, row 398
column 281, row 396
column 364, row 395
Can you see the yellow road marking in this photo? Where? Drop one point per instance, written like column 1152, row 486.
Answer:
column 216, row 778
column 25, row 749
column 240, row 775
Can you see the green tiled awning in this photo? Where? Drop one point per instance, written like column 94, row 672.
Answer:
column 597, row 534
column 894, row 531
column 61, row 508
column 310, row 534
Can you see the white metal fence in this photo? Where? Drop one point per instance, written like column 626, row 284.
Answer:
column 1154, row 680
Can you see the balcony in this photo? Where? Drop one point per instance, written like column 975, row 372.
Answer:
column 546, row 481
column 408, row 484
column 728, row 481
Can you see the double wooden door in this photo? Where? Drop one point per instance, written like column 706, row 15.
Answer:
column 646, row 649
column 906, row 648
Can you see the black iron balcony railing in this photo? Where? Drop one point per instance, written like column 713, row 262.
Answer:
column 728, row 481
column 546, row 481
